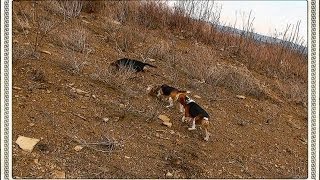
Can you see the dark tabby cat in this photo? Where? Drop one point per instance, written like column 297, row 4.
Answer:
column 132, row 64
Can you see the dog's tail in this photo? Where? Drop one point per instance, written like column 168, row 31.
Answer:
column 147, row 64
column 186, row 92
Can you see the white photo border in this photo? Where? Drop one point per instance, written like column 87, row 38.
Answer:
column 6, row 89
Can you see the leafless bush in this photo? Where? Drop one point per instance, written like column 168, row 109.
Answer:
column 93, row 6
column 71, row 9
column 21, row 52
column 238, row 79
column 77, row 40
column 294, row 91
column 127, row 39
column 197, row 64
column 39, row 25
column 118, row 79
column 37, row 75
column 158, row 50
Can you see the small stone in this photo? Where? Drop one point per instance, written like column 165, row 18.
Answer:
column 157, row 135
column 48, row 91
column 127, row 157
column 94, row 96
column 152, row 60
column 169, row 124
column 36, row 161
column 164, row 118
column 105, row 119
column 15, row 41
column 16, row 88
column 116, row 22
column 292, row 124
column 78, row 148
column 169, row 174
column 31, row 124
column 59, row 174
column 26, row 143
column 197, row 96
column 240, row 97
column 46, row 52
column 87, row 22
column 79, row 91
column 171, row 131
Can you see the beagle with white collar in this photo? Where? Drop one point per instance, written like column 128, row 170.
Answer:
column 197, row 113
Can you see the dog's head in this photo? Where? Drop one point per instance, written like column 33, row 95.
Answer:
column 153, row 90
column 181, row 98
column 184, row 99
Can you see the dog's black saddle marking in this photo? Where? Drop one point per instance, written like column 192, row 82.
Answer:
column 131, row 63
column 196, row 110
column 167, row 89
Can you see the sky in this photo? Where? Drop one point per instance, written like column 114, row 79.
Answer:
column 270, row 16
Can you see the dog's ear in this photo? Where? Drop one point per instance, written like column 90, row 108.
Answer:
column 181, row 97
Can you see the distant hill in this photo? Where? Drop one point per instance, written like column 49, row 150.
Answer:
column 265, row 39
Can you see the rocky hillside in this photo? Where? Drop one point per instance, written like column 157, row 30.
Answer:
column 92, row 122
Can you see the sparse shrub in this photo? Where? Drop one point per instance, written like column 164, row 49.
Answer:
column 74, row 63
column 118, row 79
column 21, row 52
column 158, row 50
column 197, row 63
column 77, row 40
column 71, row 9
column 294, row 91
column 127, row 39
column 37, row 75
column 93, row 6
column 37, row 26
column 237, row 79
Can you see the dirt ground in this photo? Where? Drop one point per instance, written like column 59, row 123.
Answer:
column 63, row 97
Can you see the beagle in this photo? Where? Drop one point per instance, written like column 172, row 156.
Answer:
column 172, row 93
column 194, row 111
column 132, row 64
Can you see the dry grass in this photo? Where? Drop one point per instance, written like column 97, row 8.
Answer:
column 119, row 80
column 270, row 59
column 70, row 9
column 159, row 51
column 76, row 40
column 238, row 79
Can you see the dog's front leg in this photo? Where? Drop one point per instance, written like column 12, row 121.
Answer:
column 171, row 102
column 193, row 125
column 183, row 118
column 181, row 108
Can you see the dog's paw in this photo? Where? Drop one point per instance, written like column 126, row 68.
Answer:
column 191, row 129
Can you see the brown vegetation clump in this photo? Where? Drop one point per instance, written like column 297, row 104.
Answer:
column 238, row 79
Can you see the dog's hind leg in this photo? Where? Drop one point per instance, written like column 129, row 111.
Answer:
column 171, row 102
column 193, row 125
column 205, row 125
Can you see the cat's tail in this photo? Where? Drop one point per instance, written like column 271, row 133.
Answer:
column 147, row 64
